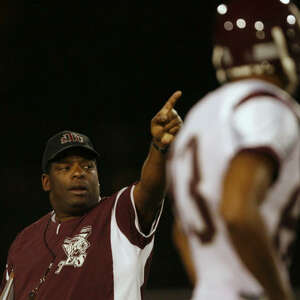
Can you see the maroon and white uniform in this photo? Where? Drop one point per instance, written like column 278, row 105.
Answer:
column 102, row 255
column 248, row 114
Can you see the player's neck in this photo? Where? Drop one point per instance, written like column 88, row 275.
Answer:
column 268, row 78
column 64, row 218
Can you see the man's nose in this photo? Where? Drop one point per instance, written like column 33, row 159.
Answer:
column 78, row 171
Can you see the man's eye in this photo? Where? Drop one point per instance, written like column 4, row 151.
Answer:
column 87, row 167
column 64, row 168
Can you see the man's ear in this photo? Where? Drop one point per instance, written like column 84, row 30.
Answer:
column 46, row 182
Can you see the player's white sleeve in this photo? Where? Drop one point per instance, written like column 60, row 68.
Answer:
column 265, row 122
column 7, row 286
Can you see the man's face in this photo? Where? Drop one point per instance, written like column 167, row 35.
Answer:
column 73, row 184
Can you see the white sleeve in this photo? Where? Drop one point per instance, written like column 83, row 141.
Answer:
column 265, row 122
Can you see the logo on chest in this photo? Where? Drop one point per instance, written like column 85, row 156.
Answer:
column 75, row 249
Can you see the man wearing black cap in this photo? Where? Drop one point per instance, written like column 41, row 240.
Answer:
column 90, row 247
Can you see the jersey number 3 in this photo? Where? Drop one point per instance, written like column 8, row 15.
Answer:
column 205, row 234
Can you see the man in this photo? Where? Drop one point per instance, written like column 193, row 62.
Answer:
column 90, row 247
column 234, row 166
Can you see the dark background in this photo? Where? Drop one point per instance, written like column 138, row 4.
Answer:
column 104, row 69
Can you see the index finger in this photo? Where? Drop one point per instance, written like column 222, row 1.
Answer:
column 171, row 102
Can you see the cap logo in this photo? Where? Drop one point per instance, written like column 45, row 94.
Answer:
column 71, row 137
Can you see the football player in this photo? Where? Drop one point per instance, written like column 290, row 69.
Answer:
column 234, row 166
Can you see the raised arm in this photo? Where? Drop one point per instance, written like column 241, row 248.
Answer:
column 151, row 188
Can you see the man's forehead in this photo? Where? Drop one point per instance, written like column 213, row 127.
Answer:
column 74, row 154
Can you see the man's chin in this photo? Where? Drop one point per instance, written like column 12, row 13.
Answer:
column 80, row 205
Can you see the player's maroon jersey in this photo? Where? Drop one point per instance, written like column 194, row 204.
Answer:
column 101, row 255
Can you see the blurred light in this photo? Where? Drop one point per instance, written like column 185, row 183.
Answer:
column 241, row 23
column 259, row 25
column 228, row 26
column 222, row 9
column 285, row 1
column 291, row 19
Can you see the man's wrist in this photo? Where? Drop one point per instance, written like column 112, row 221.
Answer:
column 160, row 149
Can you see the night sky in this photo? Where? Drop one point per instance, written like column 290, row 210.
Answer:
column 104, row 69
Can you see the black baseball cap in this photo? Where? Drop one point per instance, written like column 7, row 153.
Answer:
column 64, row 140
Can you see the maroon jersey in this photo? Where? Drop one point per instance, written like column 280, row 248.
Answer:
column 101, row 255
